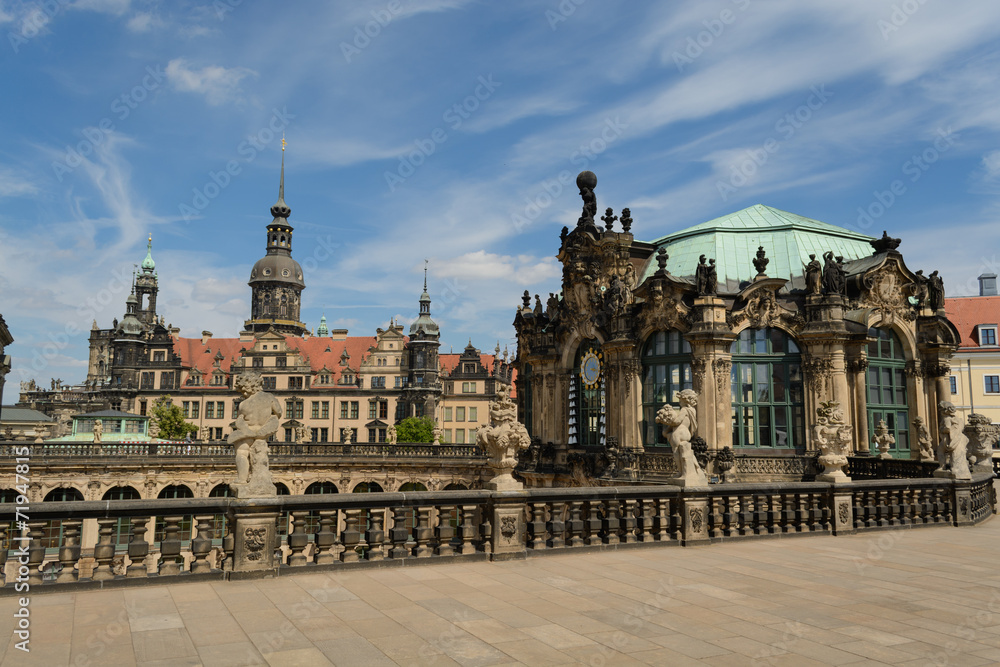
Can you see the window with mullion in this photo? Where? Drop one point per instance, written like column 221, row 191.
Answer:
column 886, row 381
column 767, row 391
column 666, row 370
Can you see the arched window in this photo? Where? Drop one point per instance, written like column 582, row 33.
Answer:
column 174, row 491
column 53, row 530
column 123, row 529
column 219, row 524
column 887, row 388
column 767, row 390
column 666, row 370
column 321, row 487
column 412, row 486
column 586, row 397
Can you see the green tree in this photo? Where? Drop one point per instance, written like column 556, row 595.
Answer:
column 169, row 420
column 415, row 429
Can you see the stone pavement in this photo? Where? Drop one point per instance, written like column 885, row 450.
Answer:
column 929, row 596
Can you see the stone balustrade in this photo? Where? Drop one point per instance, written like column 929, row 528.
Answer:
column 174, row 538
column 278, row 450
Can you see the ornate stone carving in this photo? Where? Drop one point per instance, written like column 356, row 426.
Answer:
column 722, row 368
column 508, row 527
column 706, row 277
column 391, row 433
column 885, row 244
column 760, row 262
column 98, row 430
column 844, row 513
column 724, row 462
column 858, row 365
column 256, row 421
column 818, row 371
column 762, row 309
column 883, row 440
column 914, row 368
column 833, row 274
column 982, row 435
column 699, row 369
column 833, row 438
column 952, row 444
column 660, row 312
column 936, row 369
column 884, row 294
column 680, row 426
column 254, row 540
column 502, row 439
column 924, row 440
column 935, row 289
column 697, row 519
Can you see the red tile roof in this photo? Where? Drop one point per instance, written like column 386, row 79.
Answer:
column 449, row 361
column 969, row 311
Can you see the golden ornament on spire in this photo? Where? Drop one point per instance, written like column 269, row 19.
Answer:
column 283, row 142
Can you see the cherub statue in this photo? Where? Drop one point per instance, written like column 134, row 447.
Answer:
column 951, row 453
column 680, row 425
column 883, row 439
column 98, row 430
column 256, row 421
column 924, row 440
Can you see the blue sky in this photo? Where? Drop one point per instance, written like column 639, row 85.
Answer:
column 451, row 130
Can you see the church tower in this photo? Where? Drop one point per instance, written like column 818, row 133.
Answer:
column 276, row 279
column 146, row 287
column 423, row 387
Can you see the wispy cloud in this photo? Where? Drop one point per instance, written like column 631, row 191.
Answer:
column 218, row 84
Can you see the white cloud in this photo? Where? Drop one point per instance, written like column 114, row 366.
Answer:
column 218, row 84
column 13, row 184
column 113, row 7
column 143, row 22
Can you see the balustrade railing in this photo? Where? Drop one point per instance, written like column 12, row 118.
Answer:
column 872, row 467
column 138, row 539
column 222, row 450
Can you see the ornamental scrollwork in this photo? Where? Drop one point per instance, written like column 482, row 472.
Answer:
column 884, row 294
column 723, row 374
column 699, row 369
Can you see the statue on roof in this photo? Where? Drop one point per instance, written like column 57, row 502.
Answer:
column 935, row 290
column 885, row 244
column 760, row 262
column 626, row 221
column 814, row 276
column 712, row 279
column 98, row 431
column 587, row 181
column 833, row 274
column 701, row 275
column 256, row 421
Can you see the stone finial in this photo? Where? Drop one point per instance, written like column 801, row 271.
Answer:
column 661, row 259
column 503, row 439
column 885, row 244
column 626, row 221
column 833, row 438
column 609, row 219
column 761, row 262
column 526, row 300
column 982, row 435
column 883, row 440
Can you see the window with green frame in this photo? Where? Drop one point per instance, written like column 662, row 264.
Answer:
column 666, row 370
column 184, row 534
column 52, row 532
column 767, row 392
column 588, row 408
column 123, row 528
column 886, row 384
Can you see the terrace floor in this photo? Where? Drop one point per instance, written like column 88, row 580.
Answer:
column 929, row 596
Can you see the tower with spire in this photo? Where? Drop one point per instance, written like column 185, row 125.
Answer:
column 146, row 287
column 423, row 387
column 276, row 282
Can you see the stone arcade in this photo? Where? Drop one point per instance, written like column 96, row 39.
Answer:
column 771, row 340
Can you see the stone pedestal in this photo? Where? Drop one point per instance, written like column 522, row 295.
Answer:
column 836, row 477
column 504, row 482
column 255, row 539
column 508, row 529
column 701, row 480
column 695, row 518
column 963, row 503
column 843, row 514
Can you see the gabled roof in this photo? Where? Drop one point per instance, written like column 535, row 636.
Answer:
column 967, row 312
column 450, row 361
column 732, row 240
column 13, row 413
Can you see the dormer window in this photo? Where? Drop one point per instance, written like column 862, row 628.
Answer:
column 988, row 335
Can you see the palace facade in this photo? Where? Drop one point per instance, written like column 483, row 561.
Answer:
column 767, row 315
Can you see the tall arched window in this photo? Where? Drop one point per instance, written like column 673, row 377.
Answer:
column 53, row 530
column 587, row 396
column 666, row 369
column 174, row 491
column 123, row 529
column 887, row 388
column 767, row 390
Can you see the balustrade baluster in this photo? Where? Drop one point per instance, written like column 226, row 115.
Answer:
column 715, row 517
column 36, row 552
column 444, row 532
column 593, row 522
column 611, row 525
column 467, row 530
column 661, row 520
column 69, row 552
column 802, row 513
column 628, row 522
column 3, row 555
column 326, row 538
column 760, row 515
column 375, row 535
column 400, row 534
column 298, row 539
column 138, row 548
column 351, row 536
column 556, row 526
column 104, row 550
column 170, row 547
column 644, row 521
column 676, row 521
column 788, row 513
column 536, row 526
column 574, row 527
column 423, row 533
column 201, row 545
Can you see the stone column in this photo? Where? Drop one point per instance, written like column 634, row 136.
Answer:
column 710, row 338
column 859, row 372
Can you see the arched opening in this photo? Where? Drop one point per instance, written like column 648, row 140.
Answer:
column 411, row 486
column 174, row 491
column 767, row 393
column 586, row 397
column 321, row 487
column 123, row 528
column 53, row 530
column 219, row 521
column 887, row 395
column 456, row 487
column 666, row 370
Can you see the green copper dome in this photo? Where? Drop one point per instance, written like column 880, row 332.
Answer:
column 733, row 239
column 148, row 264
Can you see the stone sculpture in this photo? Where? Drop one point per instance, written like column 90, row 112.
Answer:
column 391, row 434
column 924, row 440
column 935, row 291
column 680, row 427
column 345, row 435
column 761, row 262
column 982, row 435
column 256, row 421
column 952, row 444
column 300, row 434
column 701, row 276
column 833, row 275
column 502, row 440
column 814, row 276
column 438, row 433
column 587, row 181
column 833, row 439
column 883, row 439
column 98, row 430
column 711, row 279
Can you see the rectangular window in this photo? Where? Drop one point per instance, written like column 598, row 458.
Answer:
column 324, row 435
column 289, row 435
column 160, row 355
column 218, row 433
column 355, row 409
column 383, row 409
column 195, row 409
column 270, row 383
column 447, row 414
column 142, row 408
column 472, row 414
column 166, row 380
column 257, row 362
column 372, row 410
column 987, row 335
column 186, row 409
column 991, row 384
column 147, row 380
column 953, row 381
column 460, row 414
column 447, row 436
column 372, row 435
column 314, row 413
column 397, row 381
column 378, row 381
column 472, row 435
column 295, row 382
column 343, row 409
column 209, row 409
column 314, row 433
column 460, row 436
column 281, row 362
column 469, row 368
column 468, row 387
column 382, row 435
column 324, row 412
